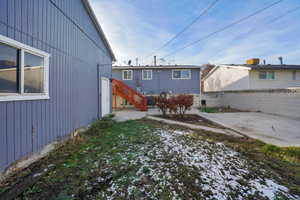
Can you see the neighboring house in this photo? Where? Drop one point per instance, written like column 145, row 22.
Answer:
column 205, row 70
column 55, row 70
column 153, row 80
column 251, row 77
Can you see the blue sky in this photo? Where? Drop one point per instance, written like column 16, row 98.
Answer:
column 135, row 28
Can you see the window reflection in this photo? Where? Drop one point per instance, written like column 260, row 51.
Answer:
column 176, row 74
column 8, row 69
column 185, row 74
column 181, row 74
column 33, row 73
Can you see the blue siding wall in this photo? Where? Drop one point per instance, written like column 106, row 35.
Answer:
column 162, row 82
column 63, row 29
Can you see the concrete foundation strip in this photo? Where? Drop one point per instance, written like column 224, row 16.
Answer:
column 197, row 127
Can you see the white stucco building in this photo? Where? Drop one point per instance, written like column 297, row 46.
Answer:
column 251, row 77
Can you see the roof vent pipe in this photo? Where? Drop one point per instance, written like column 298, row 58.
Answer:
column 281, row 60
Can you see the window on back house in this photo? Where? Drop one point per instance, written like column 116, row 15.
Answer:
column 266, row 75
column 127, row 75
column 181, row 74
column 23, row 71
column 147, row 75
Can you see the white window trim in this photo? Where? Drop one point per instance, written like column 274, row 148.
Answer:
column 267, row 79
column 26, row 96
column 123, row 78
column 147, row 70
column 190, row 74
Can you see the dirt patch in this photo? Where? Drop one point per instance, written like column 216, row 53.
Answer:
column 192, row 119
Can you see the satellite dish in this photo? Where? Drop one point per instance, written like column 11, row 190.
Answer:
column 129, row 62
column 162, row 60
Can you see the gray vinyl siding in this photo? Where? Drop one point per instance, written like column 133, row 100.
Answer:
column 162, row 82
column 64, row 30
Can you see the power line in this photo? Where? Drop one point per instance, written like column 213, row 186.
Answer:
column 277, row 18
column 285, row 14
column 225, row 28
column 185, row 28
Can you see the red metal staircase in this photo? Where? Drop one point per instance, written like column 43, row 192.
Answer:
column 121, row 89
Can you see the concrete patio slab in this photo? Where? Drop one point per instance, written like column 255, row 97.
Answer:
column 131, row 114
column 272, row 129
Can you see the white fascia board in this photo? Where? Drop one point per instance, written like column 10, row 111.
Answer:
column 236, row 67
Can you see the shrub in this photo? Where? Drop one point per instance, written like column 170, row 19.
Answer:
column 174, row 105
column 185, row 103
column 162, row 103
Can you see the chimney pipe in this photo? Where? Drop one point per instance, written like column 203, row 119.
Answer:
column 281, row 60
column 154, row 60
column 136, row 61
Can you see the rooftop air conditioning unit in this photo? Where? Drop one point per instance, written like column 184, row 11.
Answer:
column 253, row 61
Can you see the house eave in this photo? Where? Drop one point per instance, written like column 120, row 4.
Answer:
column 263, row 67
column 91, row 13
column 223, row 65
column 155, row 67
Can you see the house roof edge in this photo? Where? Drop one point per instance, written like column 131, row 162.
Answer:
column 91, row 13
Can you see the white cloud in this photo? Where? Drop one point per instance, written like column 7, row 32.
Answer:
column 130, row 36
column 136, row 28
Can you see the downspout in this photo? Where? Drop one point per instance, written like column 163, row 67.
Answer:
column 200, row 78
column 99, row 90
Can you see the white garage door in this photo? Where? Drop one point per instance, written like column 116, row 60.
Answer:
column 105, row 96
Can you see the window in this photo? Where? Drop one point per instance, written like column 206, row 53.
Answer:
column 181, row 74
column 33, row 73
column 125, row 102
column 127, row 74
column 147, row 75
column 9, row 58
column 266, row 75
column 23, row 71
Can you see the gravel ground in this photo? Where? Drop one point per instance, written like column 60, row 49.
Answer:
column 177, row 167
column 152, row 160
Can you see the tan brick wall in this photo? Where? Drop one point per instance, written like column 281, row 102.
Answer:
column 280, row 102
column 212, row 100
